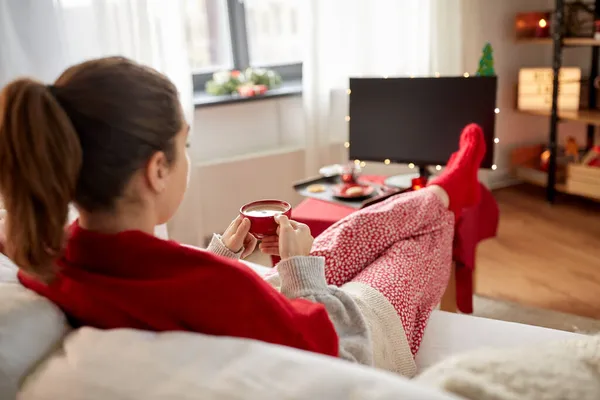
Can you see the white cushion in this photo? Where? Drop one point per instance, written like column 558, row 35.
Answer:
column 448, row 334
column 8, row 270
column 30, row 327
column 126, row 365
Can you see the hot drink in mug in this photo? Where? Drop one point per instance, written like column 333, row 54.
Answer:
column 262, row 215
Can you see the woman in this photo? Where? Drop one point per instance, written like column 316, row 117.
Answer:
column 109, row 136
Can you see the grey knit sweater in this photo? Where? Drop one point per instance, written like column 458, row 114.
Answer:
column 368, row 327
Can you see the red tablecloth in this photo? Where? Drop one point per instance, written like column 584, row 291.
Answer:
column 474, row 225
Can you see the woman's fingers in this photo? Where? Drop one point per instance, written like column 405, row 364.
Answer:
column 235, row 234
column 270, row 240
column 271, row 252
column 243, row 227
column 284, row 222
column 249, row 245
column 297, row 225
column 302, row 227
column 270, row 245
column 264, row 245
column 233, row 226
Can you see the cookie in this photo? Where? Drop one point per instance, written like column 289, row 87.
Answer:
column 316, row 188
column 354, row 191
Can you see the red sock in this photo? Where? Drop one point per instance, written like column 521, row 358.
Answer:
column 459, row 179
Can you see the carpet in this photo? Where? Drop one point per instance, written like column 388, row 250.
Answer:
column 508, row 311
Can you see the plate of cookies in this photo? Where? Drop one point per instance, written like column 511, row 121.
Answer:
column 352, row 191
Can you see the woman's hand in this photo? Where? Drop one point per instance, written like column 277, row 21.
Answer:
column 294, row 239
column 238, row 236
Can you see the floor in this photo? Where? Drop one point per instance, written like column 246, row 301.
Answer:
column 544, row 256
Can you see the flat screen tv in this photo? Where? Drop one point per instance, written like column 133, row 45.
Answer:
column 418, row 120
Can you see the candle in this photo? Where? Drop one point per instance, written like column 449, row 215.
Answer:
column 543, row 29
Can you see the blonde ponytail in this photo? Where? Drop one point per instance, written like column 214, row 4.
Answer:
column 40, row 161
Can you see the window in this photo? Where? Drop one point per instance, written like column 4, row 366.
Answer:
column 273, row 35
column 207, row 33
column 236, row 34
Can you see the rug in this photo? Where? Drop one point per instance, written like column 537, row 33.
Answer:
column 513, row 312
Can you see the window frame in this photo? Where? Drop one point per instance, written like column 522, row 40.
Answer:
column 236, row 12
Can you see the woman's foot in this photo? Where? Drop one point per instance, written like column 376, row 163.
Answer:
column 459, row 179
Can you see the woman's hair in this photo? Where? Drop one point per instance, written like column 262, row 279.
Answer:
column 79, row 140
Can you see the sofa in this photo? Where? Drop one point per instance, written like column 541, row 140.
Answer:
column 42, row 358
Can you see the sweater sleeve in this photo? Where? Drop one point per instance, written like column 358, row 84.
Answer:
column 304, row 277
column 229, row 299
column 216, row 246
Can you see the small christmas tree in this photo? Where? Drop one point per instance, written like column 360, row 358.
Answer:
column 486, row 63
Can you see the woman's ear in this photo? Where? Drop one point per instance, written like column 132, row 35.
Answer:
column 157, row 172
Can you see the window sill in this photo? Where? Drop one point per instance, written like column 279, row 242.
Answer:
column 289, row 88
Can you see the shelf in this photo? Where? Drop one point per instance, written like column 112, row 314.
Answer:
column 536, row 177
column 570, row 42
column 577, row 184
column 591, row 117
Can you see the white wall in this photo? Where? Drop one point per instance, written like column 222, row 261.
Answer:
column 232, row 130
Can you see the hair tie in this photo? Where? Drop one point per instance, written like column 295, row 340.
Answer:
column 51, row 89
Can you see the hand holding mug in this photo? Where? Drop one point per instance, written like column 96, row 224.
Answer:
column 238, row 236
column 294, row 239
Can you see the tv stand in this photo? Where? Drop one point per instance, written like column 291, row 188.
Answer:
column 405, row 181
column 424, row 171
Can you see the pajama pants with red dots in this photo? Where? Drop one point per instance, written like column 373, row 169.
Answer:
column 402, row 247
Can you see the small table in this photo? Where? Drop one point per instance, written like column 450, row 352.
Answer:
column 474, row 225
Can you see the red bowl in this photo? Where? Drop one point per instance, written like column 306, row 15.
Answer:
column 261, row 214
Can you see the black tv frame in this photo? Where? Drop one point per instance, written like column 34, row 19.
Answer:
column 489, row 87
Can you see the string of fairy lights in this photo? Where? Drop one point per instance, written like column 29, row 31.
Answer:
column 362, row 164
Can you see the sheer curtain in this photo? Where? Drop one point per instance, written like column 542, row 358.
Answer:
column 357, row 38
column 40, row 38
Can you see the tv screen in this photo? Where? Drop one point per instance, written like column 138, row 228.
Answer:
column 418, row 120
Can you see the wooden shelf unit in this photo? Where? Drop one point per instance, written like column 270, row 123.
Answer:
column 591, row 117
column 568, row 42
column 536, row 177
column 524, row 164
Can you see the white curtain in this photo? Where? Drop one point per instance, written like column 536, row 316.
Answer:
column 40, row 38
column 357, row 38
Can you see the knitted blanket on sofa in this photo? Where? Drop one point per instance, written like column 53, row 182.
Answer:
column 566, row 370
